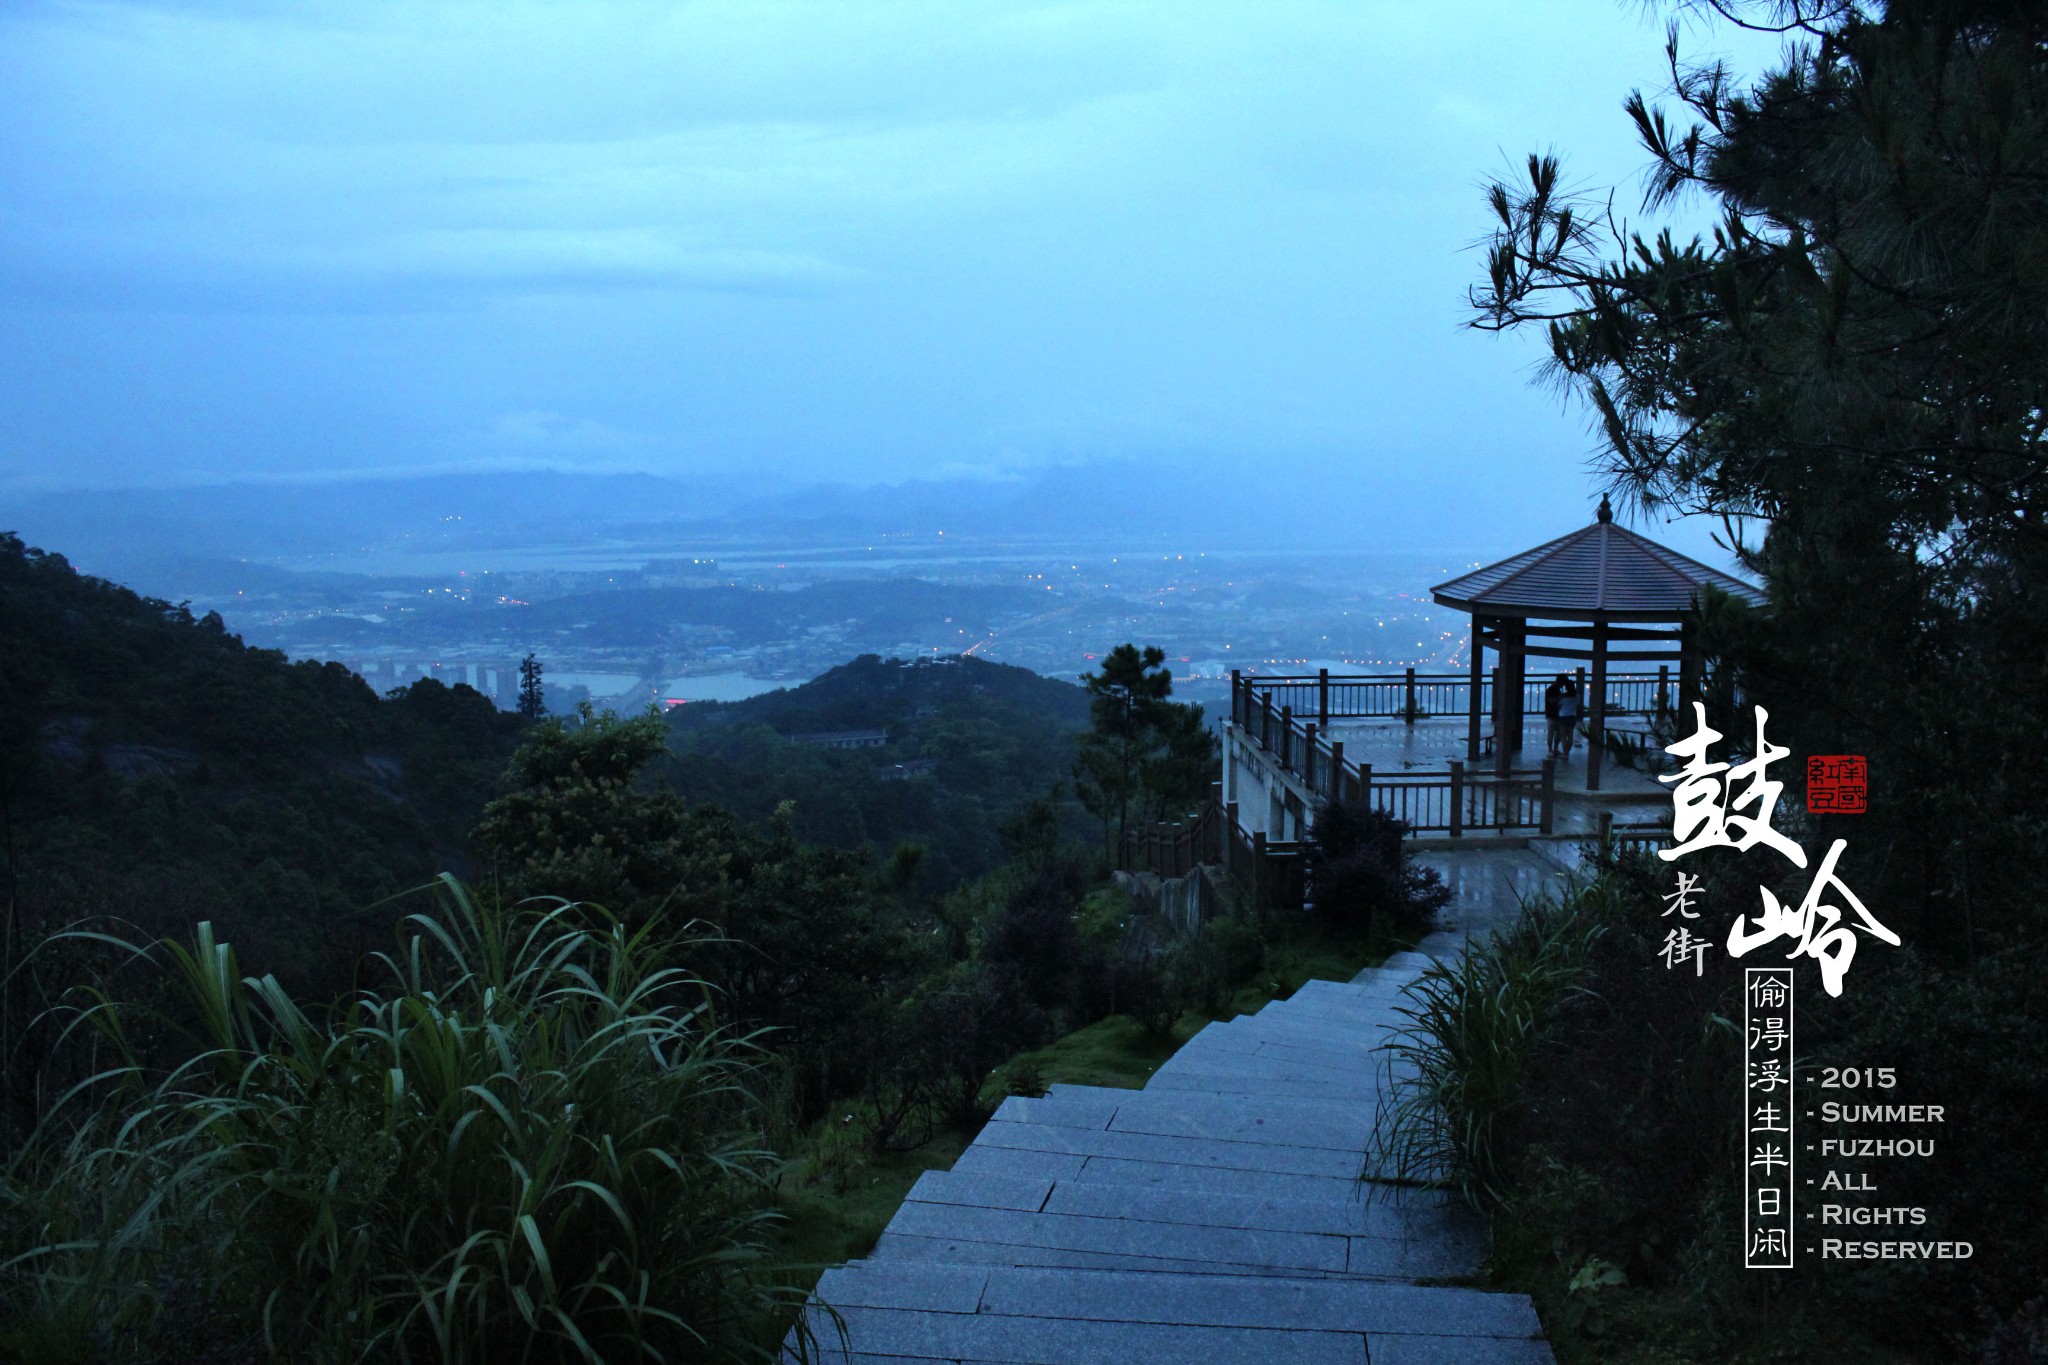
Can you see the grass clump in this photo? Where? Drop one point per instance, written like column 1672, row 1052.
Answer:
column 1457, row 1066
column 532, row 1142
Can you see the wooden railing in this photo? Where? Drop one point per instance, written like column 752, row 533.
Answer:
column 1413, row 696
column 1449, row 802
column 1175, row 848
column 1271, row 873
column 1643, row 837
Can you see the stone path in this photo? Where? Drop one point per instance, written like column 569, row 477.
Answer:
column 1217, row 1215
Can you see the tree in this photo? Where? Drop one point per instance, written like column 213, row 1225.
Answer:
column 806, row 940
column 1858, row 361
column 533, row 702
column 1125, row 704
column 1177, row 777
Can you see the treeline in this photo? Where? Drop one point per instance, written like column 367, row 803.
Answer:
column 967, row 743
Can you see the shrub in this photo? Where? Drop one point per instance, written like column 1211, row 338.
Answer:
column 1205, row 969
column 534, row 1142
column 1033, row 935
column 1359, row 875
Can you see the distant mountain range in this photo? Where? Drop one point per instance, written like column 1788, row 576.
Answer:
column 1203, row 503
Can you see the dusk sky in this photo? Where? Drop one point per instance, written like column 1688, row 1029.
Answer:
column 862, row 242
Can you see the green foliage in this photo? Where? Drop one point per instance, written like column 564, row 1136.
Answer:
column 156, row 770
column 532, row 691
column 999, row 739
column 1858, row 357
column 534, row 1141
column 811, row 939
column 1359, row 874
column 1457, row 1066
column 1143, row 754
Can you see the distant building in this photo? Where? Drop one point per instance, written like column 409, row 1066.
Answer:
column 903, row 772
column 844, row 739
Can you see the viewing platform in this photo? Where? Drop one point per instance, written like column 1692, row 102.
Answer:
column 1452, row 754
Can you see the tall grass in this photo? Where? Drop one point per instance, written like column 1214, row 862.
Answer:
column 534, row 1142
column 1455, row 1069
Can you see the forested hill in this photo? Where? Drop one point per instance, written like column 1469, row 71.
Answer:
column 994, row 736
column 155, row 768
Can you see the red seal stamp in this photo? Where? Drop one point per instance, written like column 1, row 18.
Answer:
column 1837, row 784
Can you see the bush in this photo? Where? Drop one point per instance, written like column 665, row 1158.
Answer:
column 534, row 1142
column 1359, row 875
column 1033, row 935
column 1205, row 969
column 938, row 1049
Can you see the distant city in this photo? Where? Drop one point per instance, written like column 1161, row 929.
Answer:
column 727, row 621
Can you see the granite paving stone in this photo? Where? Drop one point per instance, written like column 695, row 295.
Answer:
column 1217, row 1214
column 1177, row 1150
column 1196, row 1242
column 1084, row 1341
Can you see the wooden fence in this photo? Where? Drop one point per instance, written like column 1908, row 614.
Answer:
column 1412, row 696
column 1450, row 802
column 1176, row 848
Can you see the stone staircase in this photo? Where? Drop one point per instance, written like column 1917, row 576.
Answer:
column 1217, row 1215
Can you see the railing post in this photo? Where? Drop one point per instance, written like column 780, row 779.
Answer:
column 1364, row 787
column 1472, row 701
column 1408, row 706
column 1500, row 726
column 1606, row 835
column 1259, row 871
column 1287, row 736
column 1323, row 697
column 1308, row 754
column 1229, row 850
column 1596, row 707
column 1336, row 791
column 1663, row 702
column 1266, row 721
column 1457, row 799
column 1549, row 795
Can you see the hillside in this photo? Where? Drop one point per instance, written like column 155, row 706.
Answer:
column 996, row 737
column 156, row 769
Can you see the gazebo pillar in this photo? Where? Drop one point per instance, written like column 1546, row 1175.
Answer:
column 1689, row 681
column 1596, row 705
column 1507, row 698
column 1472, row 692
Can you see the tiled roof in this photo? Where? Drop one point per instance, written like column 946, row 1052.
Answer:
column 1604, row 568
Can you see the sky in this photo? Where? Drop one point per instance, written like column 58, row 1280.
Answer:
column 861, row 242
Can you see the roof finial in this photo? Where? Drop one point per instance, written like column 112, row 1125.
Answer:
column 1606, row 513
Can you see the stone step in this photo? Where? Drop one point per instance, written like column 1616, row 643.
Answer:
column 1291, row 1121
column 1372, row 983
column 1402, row 1216
column 1193, row 1079
column 1349, row 1077
column 922, row 1311
column 1248, row 1038
column 1024, row 1234
column 1172, row 1149
column 1369, row 1014
column 1106, row 1100
column 1170, row 1175
column 1303, row 1031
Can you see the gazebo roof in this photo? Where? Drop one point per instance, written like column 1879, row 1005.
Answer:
column 1603, row 570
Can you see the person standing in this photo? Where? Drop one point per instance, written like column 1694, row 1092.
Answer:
column 1551, row 696
column 1568, row 709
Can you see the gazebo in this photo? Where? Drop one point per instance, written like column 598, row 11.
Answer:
column 1625, row 597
